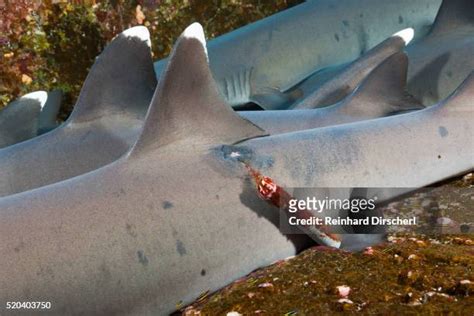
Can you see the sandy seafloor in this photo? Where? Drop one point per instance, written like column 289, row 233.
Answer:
column 427, row 269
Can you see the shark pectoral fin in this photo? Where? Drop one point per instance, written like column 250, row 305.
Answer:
column 453, row 14
column 122, row 78
column 187, row 103
column 384, row 88
column 274, row 99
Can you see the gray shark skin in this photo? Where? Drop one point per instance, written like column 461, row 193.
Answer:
column 264, row 59
column 178, row 215
column 93, row 137
column 49, row 113
column 381, row 94
column 316, row 94
column 103, row 126
column 19, row 120
column 443, row 59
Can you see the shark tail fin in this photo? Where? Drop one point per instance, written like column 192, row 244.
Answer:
column 121, row 80
column 453, row 14
column 19, row 120
column 385, row 86
column 187, row 103
column 461, row 100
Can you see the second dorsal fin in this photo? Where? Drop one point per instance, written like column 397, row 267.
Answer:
column 187, row 103
column 453, row 14
column 122, row 79
column 385, row 87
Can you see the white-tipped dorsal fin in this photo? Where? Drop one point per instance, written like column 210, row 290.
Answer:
column 385, row 86
column 122, row 79
column 462, row 99
column 453, row 14
column 19, row 119
column 406, row 35
column 187, row 104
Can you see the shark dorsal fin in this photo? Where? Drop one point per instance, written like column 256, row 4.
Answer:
column 462, row 99
column 187, row 104
column 122, row 79
column 385, row 86
column 19, row 120
column 453, row 14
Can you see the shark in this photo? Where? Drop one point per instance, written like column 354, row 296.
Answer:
column 332, row 84
column 179, row 214
column 440, row 61
column 381, row 93
column 262, row 61
column 105, row 124
column 19, row 120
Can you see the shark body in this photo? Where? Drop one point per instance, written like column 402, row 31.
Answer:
column 178, row 214
column 263, row 60
column 442, row 60
column 107, row 119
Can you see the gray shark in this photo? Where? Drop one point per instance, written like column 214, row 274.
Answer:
column 261, row 61
column 19, row 120
column 103, row 125
column 97, row 133
column 381, row 94
column 179, row 214
column 443, row 59
column 319, row 90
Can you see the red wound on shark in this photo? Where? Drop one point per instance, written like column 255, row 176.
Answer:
column 275, row 195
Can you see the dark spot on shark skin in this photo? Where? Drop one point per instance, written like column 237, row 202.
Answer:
column 142, row 258
column 217, row 196
column 336, row 36
column 346, row 23
column 361, row 15
column 105, row 272
column 20, row 246
column 443, row 132
column 167, row 205
column 439, row 156
column 203, row 272
column 180, row 247
column 131, row 230
column 400, row 19
column 449, row 74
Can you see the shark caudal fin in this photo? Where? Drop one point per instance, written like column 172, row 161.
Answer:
column 385, row 89
column 187, row 103
column 461, row 100
column 19, row 120
column 122, row 79
column 453, row 14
